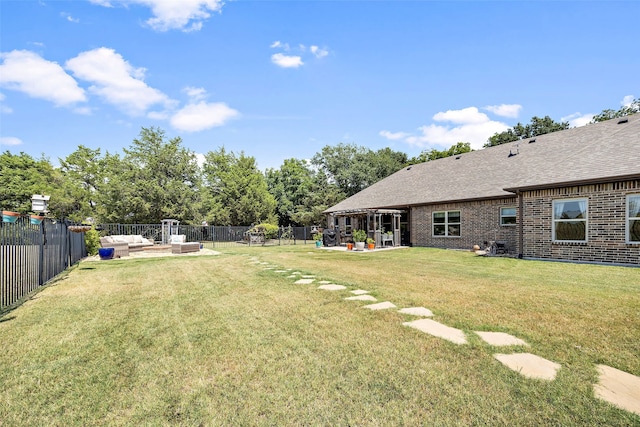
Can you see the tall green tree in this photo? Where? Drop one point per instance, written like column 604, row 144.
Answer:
column 22, row 176
column 433, row 154
column 626, row 110
column 538, row 126
column 237, row 192
column 83, row 170
column 289, row 185
column 154, row 180
column 353, row 168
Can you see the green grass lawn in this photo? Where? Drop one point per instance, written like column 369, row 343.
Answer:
column 220, row 341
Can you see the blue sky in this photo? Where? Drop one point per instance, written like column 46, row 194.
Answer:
column 282, row 79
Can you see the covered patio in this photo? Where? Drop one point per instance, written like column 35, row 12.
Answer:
column 384, row 226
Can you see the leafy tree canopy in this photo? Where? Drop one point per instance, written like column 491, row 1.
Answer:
column 434, row 154
column 626, row 110
column 538, row 126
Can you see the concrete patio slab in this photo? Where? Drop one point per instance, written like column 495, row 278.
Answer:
column 359, row 292
column 361, row 298
column 304, row 282
column 417, row 311
column 331, row 287
column 500, row 338
column 380, row 306
column 530, row 365
column 618, row 388
column 439, row 330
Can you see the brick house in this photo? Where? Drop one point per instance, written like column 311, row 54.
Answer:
column 571, row 195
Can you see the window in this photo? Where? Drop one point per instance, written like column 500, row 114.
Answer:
column 570, row 220
column 446, row 224
column 507, row 216
column 633, row 218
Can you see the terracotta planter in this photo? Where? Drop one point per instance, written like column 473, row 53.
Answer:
column 371, row 246
column 349, row 246
column 35, row 219
column 8, row 216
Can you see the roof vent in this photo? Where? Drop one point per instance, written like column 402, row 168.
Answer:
column 457, row 157
column 409, row 168
column 531, row 141
column 517, row 151
column 625, row 120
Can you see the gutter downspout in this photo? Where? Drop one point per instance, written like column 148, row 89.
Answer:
column 520, row 225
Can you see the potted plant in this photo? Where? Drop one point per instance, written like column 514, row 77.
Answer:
column 9, row 216
column 359, row 237
column 318, row 239
column 371, row 244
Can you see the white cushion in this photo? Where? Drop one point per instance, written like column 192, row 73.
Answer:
column 178, row 238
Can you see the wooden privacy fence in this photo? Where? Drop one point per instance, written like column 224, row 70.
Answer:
column 31, row 255
column 214, row 235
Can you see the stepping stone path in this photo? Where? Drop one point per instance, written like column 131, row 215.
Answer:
column 530, row 365
column 417, row 311
column 614, row 386
column 331, row 287
column 380, row 306
column 361, row 298
column 619, row 388
column 439, row 330
column 500, row 338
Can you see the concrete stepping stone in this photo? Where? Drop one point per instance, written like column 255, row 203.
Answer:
column 380, row 306
column 292, row 277
column 296, row 273
column 359, row 292
column 500, row 338
column 362, row 298
column 264, row 263
column 439, row 330
column 618, row 388
column 332, row 287
column 324, row 282
column 304, row 281
column 530, row 365
column 308, row 276
column 280, row 271
column 417, row 311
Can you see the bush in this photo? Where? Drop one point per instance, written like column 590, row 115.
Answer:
column 359, row 235
column 92, row 241
column 270, row 231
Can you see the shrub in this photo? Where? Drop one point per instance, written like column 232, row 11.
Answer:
column 359, row 235
column 92, row 241
column 270, row 231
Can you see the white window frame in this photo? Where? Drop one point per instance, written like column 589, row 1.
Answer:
column 446, row 223
column 630, row 218
column 554, row 221
column 514, row 216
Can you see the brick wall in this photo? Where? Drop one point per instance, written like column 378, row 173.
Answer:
column 479, row 222
column 606, row 230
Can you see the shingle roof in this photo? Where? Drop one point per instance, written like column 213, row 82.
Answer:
column 593, row 153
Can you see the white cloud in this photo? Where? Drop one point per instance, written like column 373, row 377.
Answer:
column 275, row 44
column 470, row 125
column 393, row 135
column 286, row 61
column 464, row 116
column 627, row 100
column 3, row 108
column 202, row 115
column 195, row 93
column 10, row 140
column 577, row 119
column 27, row 72
column 69, row 18
column 505, row 110
column 319, row 52
column 186, row 15
column 116, row 81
